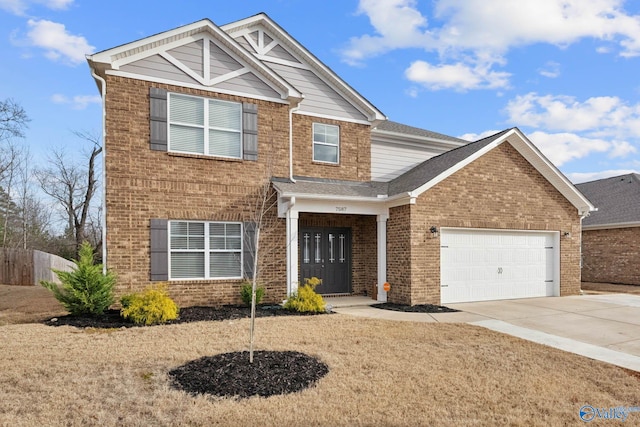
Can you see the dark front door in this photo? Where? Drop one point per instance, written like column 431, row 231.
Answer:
column 325, row 253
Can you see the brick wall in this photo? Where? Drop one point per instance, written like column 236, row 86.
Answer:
column 399, row 261
column 611, row 256
column 355, row 151
column 500, row 190
column 142, row 184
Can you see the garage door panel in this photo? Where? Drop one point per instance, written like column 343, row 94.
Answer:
column 481, row 265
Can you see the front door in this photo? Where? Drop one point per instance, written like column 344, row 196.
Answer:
column 325, row 253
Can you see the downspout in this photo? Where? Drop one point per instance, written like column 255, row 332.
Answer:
column 103, row 93
column 291, row 110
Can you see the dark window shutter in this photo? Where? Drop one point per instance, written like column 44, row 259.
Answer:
column 250, row 131
column 159, row 250
column 249, row 248
column 158, row 116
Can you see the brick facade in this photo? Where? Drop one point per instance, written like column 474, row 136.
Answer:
column 499, row 190
column 142, row 184
column 611, row 256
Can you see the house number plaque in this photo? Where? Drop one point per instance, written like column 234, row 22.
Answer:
column 341, row 208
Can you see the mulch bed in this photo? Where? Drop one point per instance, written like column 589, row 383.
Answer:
column 231, row 374
column 420, row 308
column 112, row 318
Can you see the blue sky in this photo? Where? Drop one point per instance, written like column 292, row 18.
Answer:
column 566, row 72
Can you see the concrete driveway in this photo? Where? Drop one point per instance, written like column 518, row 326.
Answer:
column 603, row 327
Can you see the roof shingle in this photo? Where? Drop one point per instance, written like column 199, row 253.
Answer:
column 617, row 199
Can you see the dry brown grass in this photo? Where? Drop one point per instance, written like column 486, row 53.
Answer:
column 382, row 373
column 27, row 304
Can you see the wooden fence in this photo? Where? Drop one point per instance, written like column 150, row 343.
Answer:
column 25, row 267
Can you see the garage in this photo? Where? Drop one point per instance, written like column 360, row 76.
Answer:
column 483, row 265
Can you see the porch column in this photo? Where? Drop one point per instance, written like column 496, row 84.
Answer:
column 292, row 251
column 382, row 256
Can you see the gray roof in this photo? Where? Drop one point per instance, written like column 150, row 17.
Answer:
column 329, row 187
column 409, row 181
column 617, row 199
column 431, row 168
column 396, row 127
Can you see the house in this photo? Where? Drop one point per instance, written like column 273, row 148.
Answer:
column 197, row 119
column 611, row 235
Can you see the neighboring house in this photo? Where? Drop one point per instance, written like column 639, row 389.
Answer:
column 198, row 118
column 611, row 235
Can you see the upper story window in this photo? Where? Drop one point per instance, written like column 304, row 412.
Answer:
column 205, row 126
column 326, row 143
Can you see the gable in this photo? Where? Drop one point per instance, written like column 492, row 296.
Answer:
column 433, row 171
column 200, row 56
column 501, row 185
column 325, row 94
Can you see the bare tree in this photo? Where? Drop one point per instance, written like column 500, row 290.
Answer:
column 263, row 219
column 72, row 186
column 13, row 120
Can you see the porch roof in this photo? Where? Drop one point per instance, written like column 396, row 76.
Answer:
column 319, row 187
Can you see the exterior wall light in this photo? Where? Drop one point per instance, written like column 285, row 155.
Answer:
column 434, row 231
column 567, row 234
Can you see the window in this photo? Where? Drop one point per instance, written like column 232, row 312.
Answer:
column 205, row 250
column 205, row 126
column 326, row 143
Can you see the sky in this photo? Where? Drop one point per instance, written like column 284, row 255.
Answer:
column 566, row 72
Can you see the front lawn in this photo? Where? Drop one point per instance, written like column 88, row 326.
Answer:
column 381, row 373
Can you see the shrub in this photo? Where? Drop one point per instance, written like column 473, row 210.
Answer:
column 247, row 289
column 85, row 290
column 150, row 307
column 306, row 300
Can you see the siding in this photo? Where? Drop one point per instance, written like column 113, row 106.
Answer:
column 158, row 67
column 190, row 55
column 319, row 97
column 390, row 160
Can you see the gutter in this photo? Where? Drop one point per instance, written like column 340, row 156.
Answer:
column 103, row 94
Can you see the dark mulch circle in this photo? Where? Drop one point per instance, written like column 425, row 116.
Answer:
column 231, row 374
column 112, row 318
column 420, row 308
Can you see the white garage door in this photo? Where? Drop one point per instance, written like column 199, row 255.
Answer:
column 482, row 265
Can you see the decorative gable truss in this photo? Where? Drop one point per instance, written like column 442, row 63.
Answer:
column 199, row 56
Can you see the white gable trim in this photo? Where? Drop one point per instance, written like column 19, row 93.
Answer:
column 113, row 59
column 299, row 51
column 192, row 86
column 329, row 117
column 531, row 153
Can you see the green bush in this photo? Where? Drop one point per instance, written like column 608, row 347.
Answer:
column 306, row 300
column 85, row 290
column 246, row 290
column 153, row 306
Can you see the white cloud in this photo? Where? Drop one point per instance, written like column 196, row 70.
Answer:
column 78, row 102
column 397, row 23
column 578, row 177
column 58, row 42
column 561, row 148
column 473, row 32
column 20, row 7
column 603, row 116
column 471, row 137
column 459, row 76
column 551, row 70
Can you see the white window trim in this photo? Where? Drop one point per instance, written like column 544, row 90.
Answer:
column 205, row 126
column 314, row 142
column 207, row 251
